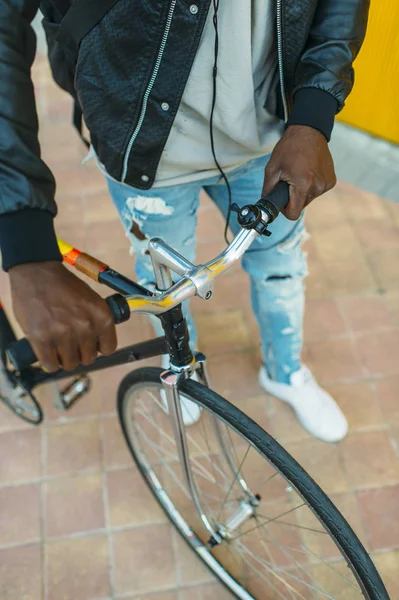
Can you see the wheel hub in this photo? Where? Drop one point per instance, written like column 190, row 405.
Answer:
column 245, row 511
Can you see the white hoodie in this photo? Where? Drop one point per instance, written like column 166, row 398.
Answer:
column 247, row 78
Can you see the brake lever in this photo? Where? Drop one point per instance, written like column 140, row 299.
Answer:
column 251, row 217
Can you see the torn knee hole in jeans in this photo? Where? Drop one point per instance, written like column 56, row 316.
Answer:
column 278, row 277
column 285, row 284
column 286, row 288
column 138, row 208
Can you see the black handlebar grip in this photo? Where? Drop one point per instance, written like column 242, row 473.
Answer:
column 276, row 201
column 119, row 308
column 21, row 354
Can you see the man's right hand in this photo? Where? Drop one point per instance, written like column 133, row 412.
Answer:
column 66, row 322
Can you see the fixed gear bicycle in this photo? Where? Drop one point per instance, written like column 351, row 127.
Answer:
column 242, row 503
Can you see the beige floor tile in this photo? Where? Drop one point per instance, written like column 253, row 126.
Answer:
column 20, row 456
column 144, row 559
column 129, row 500
column 323, row 462
column 20, row 514
column 370, row 459
column 379, row 510
column 387, row 391
column 72, row 447
column 115, row 449
column 323, row 320
column 191, row 570
column 78, row 568
column 334, row 360
column 387, row 564
column 20, row 573
column 74, row 504
column 359, row 403
column 378, row 351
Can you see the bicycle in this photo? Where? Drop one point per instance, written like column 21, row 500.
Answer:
column 242, row 503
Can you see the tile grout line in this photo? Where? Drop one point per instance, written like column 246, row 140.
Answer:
column 132, row 527
column 69, row 536
column 51, row 478
column 394, row 444
column 352, row 338
column 117, row 468
column 32, row 542
column 366, row 255
column 177, row 590
column 367, row 373
column 43, row 515
column 370, row 375
column 64, row 420
column 175, row 554
column 104, row 480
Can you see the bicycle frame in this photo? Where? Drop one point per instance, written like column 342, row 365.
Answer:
column 195, row 281
column 156, row 347
column 166, row 303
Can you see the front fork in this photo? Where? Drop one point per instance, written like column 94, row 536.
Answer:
column 183, row 364
column 170, row 381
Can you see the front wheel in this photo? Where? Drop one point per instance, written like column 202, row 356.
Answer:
column 280, row 537
column 19, row 400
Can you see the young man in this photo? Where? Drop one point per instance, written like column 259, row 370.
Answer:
column 145, row 81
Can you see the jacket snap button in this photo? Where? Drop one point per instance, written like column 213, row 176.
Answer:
column 193, row 9
column 165, row 106
column 145, row 178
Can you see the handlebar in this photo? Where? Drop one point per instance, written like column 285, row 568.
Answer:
column 195, row 280
column 21, row 354
column 277, row 200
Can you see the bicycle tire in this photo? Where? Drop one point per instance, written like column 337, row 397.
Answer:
column 340, row 531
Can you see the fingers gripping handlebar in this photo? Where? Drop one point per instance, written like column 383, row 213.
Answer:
column 251, row 217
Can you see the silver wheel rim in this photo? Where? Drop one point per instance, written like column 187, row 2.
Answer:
column 18, row 400
column 284, row 582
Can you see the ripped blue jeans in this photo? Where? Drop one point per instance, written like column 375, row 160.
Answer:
column 276, row 270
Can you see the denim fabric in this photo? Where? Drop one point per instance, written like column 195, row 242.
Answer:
column 276, row 265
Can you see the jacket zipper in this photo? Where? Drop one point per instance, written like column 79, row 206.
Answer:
column 280, row 55
column 148, row 90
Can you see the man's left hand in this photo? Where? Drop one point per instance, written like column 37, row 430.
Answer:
column 302, row 159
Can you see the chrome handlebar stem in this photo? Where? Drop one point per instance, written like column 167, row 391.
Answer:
column 195, row 280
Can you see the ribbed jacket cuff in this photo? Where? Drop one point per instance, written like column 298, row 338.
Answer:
column 27, row 236
column 315, row 108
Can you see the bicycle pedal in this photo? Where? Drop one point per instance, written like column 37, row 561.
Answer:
column 74, row 391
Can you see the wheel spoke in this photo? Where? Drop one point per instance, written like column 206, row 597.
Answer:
column 271, row 568
column 299, row 566
column 329, row 565
column 287, row 512
column 274, row 554
column 174, row 457
column 322, row 560
column 268, row 519
column 233, row 482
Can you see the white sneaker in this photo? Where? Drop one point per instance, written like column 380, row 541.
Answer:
column 191, row 412
column 315, row 408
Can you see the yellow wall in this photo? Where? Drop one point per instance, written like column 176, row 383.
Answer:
column 374, row 103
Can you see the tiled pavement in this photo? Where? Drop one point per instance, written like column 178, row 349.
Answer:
column 75, row 520
column 365, row 161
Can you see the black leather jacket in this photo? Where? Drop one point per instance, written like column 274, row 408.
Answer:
column 134, row 60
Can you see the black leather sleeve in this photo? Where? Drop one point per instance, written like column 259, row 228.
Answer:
column 27, row 187
column 325, row 70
